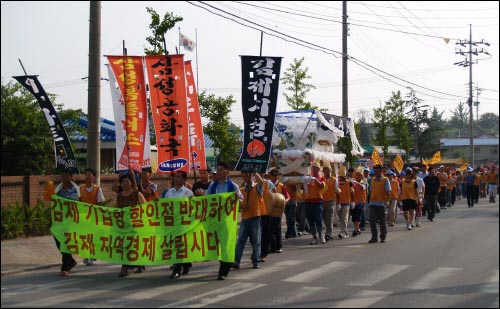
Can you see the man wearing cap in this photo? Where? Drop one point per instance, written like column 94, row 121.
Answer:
column 431, row 182
column 276, row 213
column 379, row 200
column 469, row 180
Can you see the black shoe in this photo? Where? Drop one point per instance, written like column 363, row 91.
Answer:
column 73, row 264
column 382, row 240
column 235, row 267
column 327, row 238
column 185, row 270
column 255, row 266
column 175, row 275
column 140, row 269
column 371, row 241
column 221, row 277
column 279, row 251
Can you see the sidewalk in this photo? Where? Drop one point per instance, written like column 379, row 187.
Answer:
column 29, row 253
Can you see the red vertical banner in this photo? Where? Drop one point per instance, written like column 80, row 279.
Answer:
column 196, row 142
column 129, row 74
column 167, row 86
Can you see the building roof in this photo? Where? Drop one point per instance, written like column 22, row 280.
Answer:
column 393, row 150
column 108, row 132
column 456, row 142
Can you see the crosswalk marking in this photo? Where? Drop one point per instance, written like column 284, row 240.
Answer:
column 362, row 299
column 38, row 287
column 128, row 299
column 432, row 277
column 378, row 275
column 215, row 296
column 491, row 286
column 68, row 297
column 311, row 275
column 264, row 270
column 294, row 296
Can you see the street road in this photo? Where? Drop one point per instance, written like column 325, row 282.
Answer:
column 451, row 262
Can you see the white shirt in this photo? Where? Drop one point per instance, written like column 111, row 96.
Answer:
column 173, row 192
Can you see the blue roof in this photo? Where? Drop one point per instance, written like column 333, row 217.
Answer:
column 108, row 132
column 481, row 141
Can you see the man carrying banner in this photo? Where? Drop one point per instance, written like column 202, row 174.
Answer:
column 252, row 208
column 222, row 184
column 70, row 190
column 179, row 190
column 91, row 193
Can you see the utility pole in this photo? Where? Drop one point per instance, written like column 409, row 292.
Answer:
column 468, row 63
column 94, row 91
column 344, row 60
column 476, row 103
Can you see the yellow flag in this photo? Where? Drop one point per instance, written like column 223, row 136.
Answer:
column 425, row 163
column 436, row 158
column 399, row 163
column 463, row 167
column 376, row 157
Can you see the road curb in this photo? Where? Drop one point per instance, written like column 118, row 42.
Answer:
column 18, row 270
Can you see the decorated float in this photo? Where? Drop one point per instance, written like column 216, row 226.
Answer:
column 303, row 138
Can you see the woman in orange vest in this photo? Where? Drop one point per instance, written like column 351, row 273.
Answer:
column 409, row 197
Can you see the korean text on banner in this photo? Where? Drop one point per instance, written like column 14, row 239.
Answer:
column 129, row 74
column 121, row 128
column 65, row 159
column 399, row 163
column 196, row 141
column 260, row 77
column 166, row 75
column 376, row 157
column 167, row 231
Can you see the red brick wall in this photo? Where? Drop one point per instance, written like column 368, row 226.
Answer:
column 28, row 189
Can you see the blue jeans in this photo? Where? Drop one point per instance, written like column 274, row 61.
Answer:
column 249, row 228
column 290, row 209
column 314, row 216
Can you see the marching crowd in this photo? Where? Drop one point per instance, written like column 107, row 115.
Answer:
column 317, row 204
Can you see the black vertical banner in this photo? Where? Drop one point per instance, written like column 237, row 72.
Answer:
column 65, row 159
column 260, row 77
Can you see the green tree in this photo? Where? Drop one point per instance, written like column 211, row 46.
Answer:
column 159, row 29
column 418, row 119
column 295, row 77
column 489, row 121
column 363, row 134
column 399, row 122
column 26, row 137
column 432, row 133
column 382, row 124
column 459, row 119
column 224, row 134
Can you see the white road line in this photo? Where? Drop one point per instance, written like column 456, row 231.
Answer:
column 428, row 281
column 491, row 286
column 51, row 301
column 215, row 296
column 324, row 270
column 148, row 294
column 362, row 299
column 378, row 275
column 40, row 287
column 243, row 274
column 298, row 295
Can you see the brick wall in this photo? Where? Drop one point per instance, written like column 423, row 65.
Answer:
column 28, row 189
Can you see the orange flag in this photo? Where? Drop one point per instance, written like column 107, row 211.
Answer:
column 436, row 158
column 399, row 163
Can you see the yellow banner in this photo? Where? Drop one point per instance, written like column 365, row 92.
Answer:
column 399, row 163
column 376, row 157
column 425, row 163
column 436, row 158
column 167, row 231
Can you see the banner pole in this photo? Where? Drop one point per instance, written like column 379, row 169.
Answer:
column 22, row 66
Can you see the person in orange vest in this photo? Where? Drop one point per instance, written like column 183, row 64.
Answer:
column 359, row 186
column 252, row 208
column 313, row 203
column 148, row 189
column 409, row 197
column 329, row 198
column 276, row 244
column 345, row 197
column 91, row 193
column 393, row 199
column 492, row 181
column 379, row 200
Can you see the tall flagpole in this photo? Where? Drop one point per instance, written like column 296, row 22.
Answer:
column 196, row 38
column 179, row 40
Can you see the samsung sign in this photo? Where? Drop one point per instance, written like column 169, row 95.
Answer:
column 172, row 165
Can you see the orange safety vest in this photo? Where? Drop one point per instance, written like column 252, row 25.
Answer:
column 89, row 197
column 408, row 190
column 253, row 204
column 378, row 193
